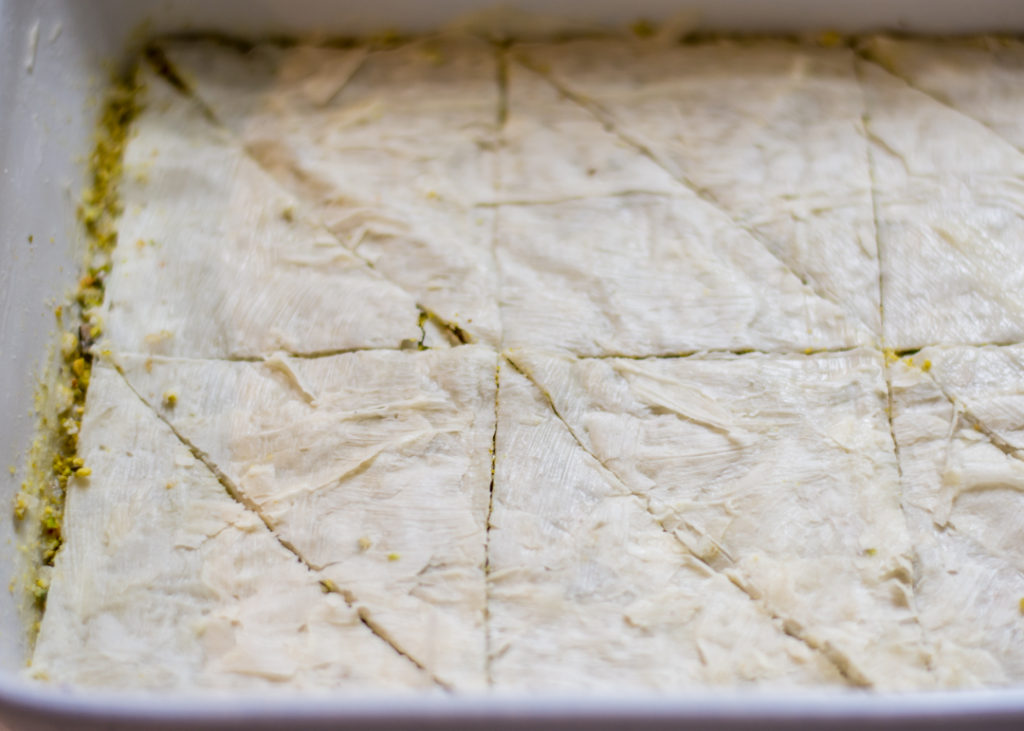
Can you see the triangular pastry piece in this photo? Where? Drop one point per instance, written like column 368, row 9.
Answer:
column 165, row 581
column 392, row 150
column 214, row 260
column 980, row 77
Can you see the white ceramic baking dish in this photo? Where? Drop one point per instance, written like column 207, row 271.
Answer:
column 55, row 58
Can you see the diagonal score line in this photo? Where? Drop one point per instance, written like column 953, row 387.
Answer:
column 163, row 67
column 607, row 120
column 245, row 501
column 237, row 495
column 843, row 665
column 869, row 56
column 993, row 436
column 962, row 410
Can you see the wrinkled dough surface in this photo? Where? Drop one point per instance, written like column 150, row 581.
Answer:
column 965, row 499
column 554, row 149
column 165, row 581
column 650, row 275
column 770, row 131
column 616, row 257
column 213, row 260
column 391, row 150
column 979, row 77
column 588, row 590
column 988, row 382
column 374, row 465
column 268, row 510
column 777, row 470
column 950, row 220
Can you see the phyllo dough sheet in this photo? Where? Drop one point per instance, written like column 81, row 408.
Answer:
column 980, row 77
column 963, row 492
column 602, row 365
column 591, row 588
column 778, row 471
column 374, row 466
column 213, row 259
column 391, row 150
column 951, row 219
column 600, row 251
column 770, row 132
column 166, row 581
